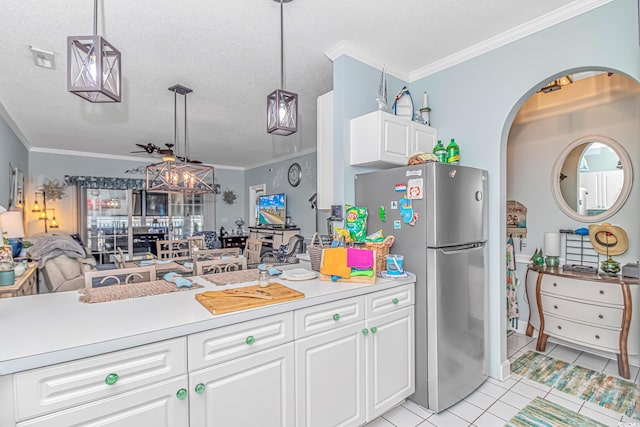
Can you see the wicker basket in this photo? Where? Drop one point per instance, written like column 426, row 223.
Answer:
column 315, row 251
column 382, row 250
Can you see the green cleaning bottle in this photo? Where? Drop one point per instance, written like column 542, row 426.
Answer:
column 440, row 151
column 453, row 153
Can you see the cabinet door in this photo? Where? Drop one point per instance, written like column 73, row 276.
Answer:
column 256, row 390
column 156, row 405
column 390, row 360
column 424, row 138
column 396, row 142
column 330, row 378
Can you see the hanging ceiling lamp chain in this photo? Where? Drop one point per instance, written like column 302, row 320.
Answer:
column 95, row 17
column 281, row 44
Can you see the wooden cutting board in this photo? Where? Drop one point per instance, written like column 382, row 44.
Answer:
column 219, row 302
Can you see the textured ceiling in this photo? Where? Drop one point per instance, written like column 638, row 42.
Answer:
column 228, row 53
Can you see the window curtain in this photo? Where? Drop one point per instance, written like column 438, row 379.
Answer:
column 106, row 183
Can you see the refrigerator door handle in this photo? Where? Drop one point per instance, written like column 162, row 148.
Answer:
column 460, row 248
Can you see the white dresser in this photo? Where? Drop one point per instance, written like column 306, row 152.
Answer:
column 589, row 310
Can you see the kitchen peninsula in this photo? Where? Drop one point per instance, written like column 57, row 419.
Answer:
column 342, row 354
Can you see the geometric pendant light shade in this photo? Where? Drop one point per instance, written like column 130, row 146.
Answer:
column 179, row 173
column 93, row 66
column 282, row 106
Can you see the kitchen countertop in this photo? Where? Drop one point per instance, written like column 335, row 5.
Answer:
column 41, row 330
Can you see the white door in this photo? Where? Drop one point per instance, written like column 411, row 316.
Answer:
column 157, row 405
column 390, row 360
column 255, row 191
column 330, row 378
column 424, row 138
column 396, row 139
column 255, row 390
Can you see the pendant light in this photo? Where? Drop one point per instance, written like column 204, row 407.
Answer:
column 93, row 66
column 178, row 173
column 282, row 106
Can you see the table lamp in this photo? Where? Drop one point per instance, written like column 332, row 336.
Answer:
column 12, row 230
column 552, row 249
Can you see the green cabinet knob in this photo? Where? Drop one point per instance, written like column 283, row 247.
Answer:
column 395, row 301
column 374, row 330
column 200, row 388
column 111, row 379
column 182, row 394
column 336, row 317
column 365, row 332
column 250, row 340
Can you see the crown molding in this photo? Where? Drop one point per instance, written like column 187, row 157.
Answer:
column 347, row 48
column 538, row 24
column 112, row 156
column 4, row 114
column 571, row 10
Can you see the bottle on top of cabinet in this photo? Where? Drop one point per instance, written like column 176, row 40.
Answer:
column 453, row 153
column 440, row 152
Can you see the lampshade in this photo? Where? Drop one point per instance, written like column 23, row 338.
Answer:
column 11, row 224
column 93, row 66
column 282, row 106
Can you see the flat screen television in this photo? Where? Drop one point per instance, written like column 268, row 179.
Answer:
column 272, row 209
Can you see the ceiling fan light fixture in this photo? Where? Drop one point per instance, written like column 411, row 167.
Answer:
column 176, row 173
column 93, row 66
column 282, row 106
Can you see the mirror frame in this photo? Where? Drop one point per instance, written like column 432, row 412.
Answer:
column 626, row 184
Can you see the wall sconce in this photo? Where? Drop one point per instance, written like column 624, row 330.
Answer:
column 36, row 207
column 54, row 223
column 43, row 211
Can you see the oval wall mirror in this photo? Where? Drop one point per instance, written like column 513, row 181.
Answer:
column 592, row 178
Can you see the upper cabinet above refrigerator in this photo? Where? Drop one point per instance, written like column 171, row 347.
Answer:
column 380, row 139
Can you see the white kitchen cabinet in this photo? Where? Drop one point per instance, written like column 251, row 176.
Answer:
column 354, row 358
column 390, row 361
column 603, row 188
column 255, row 390
column 157, row 405
column 380, row 139
column 324, row 152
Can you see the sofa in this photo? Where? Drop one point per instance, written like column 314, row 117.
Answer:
column 62, row 260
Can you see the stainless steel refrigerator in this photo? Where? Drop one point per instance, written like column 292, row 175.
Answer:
column 438, row 216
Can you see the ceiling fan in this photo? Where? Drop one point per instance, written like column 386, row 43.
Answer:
column 151, row 148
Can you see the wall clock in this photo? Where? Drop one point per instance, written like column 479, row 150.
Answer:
column 295, row 174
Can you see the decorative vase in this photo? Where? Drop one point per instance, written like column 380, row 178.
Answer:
column 552, row 261
column 610, row 266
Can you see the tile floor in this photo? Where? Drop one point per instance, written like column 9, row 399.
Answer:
column 495, row 402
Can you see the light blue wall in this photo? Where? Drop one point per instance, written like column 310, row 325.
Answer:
column 475, row 102
column 275, row 177
column 226, row 214
column 14, row 152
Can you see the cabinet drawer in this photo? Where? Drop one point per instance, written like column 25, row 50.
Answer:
column 601, row 338
column 603, row 293
column 155, row 405
column 598, row 315
column 326, row 317
column 68, row 384
column 389, row 300
column 229, row 342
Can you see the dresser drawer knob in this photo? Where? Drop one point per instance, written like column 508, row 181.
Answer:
column 597, row 337
column 600, row 316
column 559, row 327
column 250, row 340
column 336, row 317
column 555, row 284
column 395, row 301
column 555, row 306
column 601, row 292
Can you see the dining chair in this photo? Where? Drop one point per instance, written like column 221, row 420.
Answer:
column 176, row 250
column 213, row 266
column 196, row 243
column 208, row 254
column 119, row 276
column 119, row 258
column 252, row 250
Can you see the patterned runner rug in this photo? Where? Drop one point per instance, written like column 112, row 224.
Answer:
column 542, row 413
column 607, row 391
column 130, row 290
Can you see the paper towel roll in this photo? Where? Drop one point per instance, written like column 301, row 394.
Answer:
column 552, row 244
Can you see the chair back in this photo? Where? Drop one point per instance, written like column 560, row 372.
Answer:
column 252, row 250
column 289, row 257
column 209, row 254
column 196, row 242
column 213, row 266
column 119, row 258
column 120, row 276
column 176, row 250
